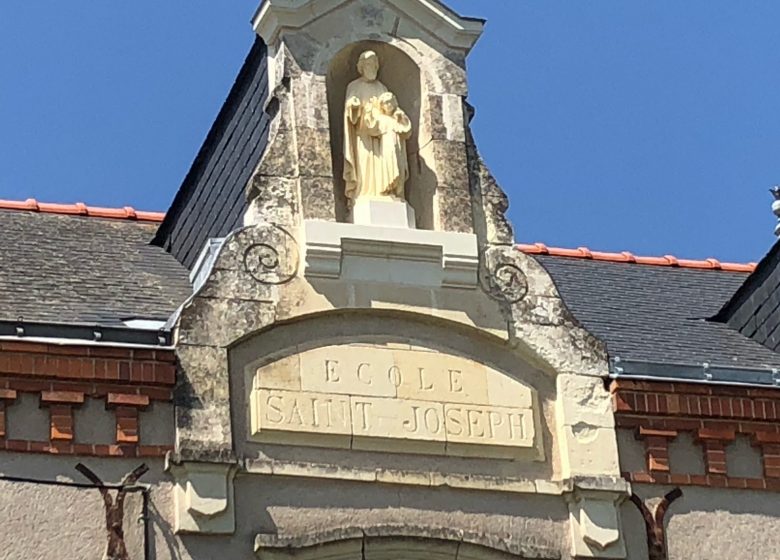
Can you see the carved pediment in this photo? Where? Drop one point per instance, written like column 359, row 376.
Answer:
column 459, row 32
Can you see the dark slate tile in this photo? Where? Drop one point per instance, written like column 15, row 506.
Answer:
column 215, row 183
column 71, row 269
column 657, row 314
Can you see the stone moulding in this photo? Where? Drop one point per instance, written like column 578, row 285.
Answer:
column 203, row 497
column 274, row 16
column 395, row 255
column 407, row 478
column 594, row 517
column 382, row 542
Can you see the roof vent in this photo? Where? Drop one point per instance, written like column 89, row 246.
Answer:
column 776, row 207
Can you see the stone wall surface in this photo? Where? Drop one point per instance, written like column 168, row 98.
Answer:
column 307, row 512
column 707, row 524
column 44, row 520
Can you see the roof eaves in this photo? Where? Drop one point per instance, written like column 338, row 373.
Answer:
column 83, row 333
column 694, row 373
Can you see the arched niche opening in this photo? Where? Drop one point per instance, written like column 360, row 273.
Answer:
column 402, row 76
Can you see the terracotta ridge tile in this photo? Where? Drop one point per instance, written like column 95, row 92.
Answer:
column 81, row 209
column 626, row 257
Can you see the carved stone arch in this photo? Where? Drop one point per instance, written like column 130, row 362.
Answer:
column 392, row 542
column 434, row 67
column 428, row 374
column 395, row 326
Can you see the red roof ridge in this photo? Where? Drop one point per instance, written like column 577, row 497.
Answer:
column 130, row 213
column 626, row 257
column 81, row 209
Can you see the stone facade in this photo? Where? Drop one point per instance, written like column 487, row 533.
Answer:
column 328, row 353
column 358, row 391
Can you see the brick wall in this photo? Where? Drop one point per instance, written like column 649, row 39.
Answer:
column 128, row 380
column 714, row 415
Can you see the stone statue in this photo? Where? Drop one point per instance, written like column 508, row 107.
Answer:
column 375, row 133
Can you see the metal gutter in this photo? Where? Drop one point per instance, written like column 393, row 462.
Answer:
column 84, row 333
column 694, row 373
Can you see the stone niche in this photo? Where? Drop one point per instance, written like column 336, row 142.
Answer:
column 313, row 51
column 401, row 75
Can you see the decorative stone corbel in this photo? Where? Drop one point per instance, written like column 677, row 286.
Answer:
column 589, row 460
column 594, row 517
column 203, row 497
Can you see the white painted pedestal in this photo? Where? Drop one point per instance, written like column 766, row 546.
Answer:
column 383, row 212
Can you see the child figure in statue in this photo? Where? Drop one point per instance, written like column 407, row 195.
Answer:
column 390, row 122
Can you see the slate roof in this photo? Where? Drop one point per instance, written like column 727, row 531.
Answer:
column 755, row 308
column 74, row 269
column 657, row 314
column 78, row 269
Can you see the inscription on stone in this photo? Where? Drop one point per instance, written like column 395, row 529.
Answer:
column 393, row 399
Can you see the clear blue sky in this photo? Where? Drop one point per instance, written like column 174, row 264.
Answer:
column 645, row 126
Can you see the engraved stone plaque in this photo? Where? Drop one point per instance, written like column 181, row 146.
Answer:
column 394, row 398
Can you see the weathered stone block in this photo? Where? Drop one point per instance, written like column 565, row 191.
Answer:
column 318, row 199
column 238, row 284
column 310, row 100
column 584, row 401
column 219, row 322
column 588, row 450
column 563, row 349
column 273, row 200
column 455, row 210
column 314, row 152
column 203, row 371
column 451, row 164
column 444, row 118
column 498, row 230
column 280, row 158
column 543, row 310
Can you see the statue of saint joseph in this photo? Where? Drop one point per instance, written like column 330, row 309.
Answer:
column 375, row 135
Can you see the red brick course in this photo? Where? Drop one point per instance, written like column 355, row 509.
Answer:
column 124, row 399
column 129, row 379
column 67, row 448
column 5, row 395
column 657, row 447
column 93, row 363
column 713, row 414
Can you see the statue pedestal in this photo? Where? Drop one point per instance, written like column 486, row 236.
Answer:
column 391, row 255
column 383, row 212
